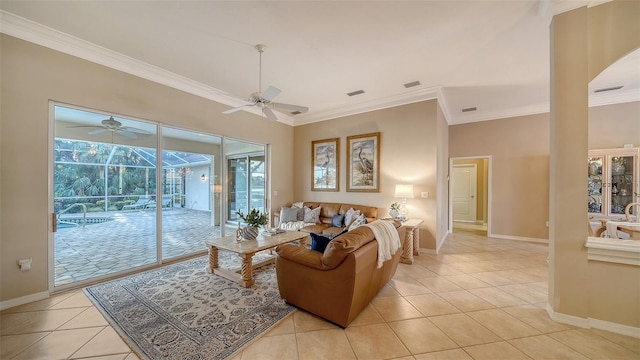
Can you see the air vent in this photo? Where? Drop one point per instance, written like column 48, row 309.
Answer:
column 470, row 109
column 412, row 84
column 609, row 89
column 357, row 92
column 296, row 112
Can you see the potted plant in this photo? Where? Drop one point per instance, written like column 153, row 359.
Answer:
column 395, row 210
column 253, row 220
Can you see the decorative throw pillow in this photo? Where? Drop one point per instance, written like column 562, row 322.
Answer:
column 288, row 214
column 359, row 221
column 337, row 220
column 350, row 215
column 320, row 242
column 312, row 216
column 299, row 204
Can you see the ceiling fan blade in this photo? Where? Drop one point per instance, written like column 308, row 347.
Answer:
column 278, row 106
column 85, row 126
column 135, row 130
column 97, row 131
column 269, row 113
column 270, row 93
column 127, row 134
column 232, row 110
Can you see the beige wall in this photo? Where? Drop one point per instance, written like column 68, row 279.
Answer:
column 31, row 76
column 583, row 43
column 519, row 150
column 612, row 126
column 408, row 143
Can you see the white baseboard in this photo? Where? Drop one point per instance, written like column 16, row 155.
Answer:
column 519, row 238
column 23, row 300
column 591, row 323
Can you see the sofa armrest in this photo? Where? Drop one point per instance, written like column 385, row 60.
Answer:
column 301, row 255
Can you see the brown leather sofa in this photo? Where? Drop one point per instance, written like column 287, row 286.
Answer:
column 339, row 283
column 326, row 214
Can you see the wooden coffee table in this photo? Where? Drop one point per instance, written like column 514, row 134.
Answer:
column 246, row 249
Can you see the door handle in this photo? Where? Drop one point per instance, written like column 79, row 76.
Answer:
column 54, row 222
column 472, row 196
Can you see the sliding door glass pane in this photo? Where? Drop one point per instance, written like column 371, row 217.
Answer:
column 191, row 186
column 103, row 182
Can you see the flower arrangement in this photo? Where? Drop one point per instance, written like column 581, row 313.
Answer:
column 254, row 218
column 395, row 206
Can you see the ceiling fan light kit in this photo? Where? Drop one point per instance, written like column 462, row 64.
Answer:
column 263, row 100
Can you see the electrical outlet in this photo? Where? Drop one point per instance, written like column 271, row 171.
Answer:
column 547, row 223
column 425, row 194
column 25, row 264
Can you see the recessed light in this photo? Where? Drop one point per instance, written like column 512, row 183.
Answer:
column 610, row 88
column 469, row 109
column 412, row 84
column 357, row 92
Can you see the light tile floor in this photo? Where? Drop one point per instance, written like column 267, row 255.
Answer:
column 480, row 298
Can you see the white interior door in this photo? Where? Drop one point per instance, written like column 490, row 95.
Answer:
column 465, row 192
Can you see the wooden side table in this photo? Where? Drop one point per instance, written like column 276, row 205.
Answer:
column 411, row 245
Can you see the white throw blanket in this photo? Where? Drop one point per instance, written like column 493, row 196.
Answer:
column 387, row 237
column 294, row 225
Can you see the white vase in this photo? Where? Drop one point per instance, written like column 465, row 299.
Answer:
column 394, row 213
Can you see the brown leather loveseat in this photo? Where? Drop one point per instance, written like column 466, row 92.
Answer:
column 339, row 283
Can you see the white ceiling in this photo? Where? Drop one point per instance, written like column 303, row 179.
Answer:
column 492, row 55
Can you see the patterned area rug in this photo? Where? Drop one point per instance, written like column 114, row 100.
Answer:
column 181, row 312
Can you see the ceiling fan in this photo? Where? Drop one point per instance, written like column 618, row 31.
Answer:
column 114, row 126
column 263, row 99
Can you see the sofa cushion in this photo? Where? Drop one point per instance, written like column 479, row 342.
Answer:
column 312, row 215
column 337, row 220
column 289, row 214
column 315, row 228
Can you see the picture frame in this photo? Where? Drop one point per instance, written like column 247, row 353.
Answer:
column 325, row 165
column 363, row 162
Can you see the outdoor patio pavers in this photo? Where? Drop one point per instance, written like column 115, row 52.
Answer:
column 128, row 241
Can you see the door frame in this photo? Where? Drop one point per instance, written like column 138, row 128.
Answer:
column 489, row 188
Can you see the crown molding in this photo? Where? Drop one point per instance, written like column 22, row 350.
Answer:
column 614, row 97
column 39, row 34
column 371, row 105
column 533, row 109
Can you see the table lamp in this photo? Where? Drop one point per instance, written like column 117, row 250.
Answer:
column 403, row 191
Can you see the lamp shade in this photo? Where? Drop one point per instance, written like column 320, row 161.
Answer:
column 404, row 191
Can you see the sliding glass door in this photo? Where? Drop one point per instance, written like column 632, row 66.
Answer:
column 128, row 194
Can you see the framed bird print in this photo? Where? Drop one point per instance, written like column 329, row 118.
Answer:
column 325, row 165
column 363, row 162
